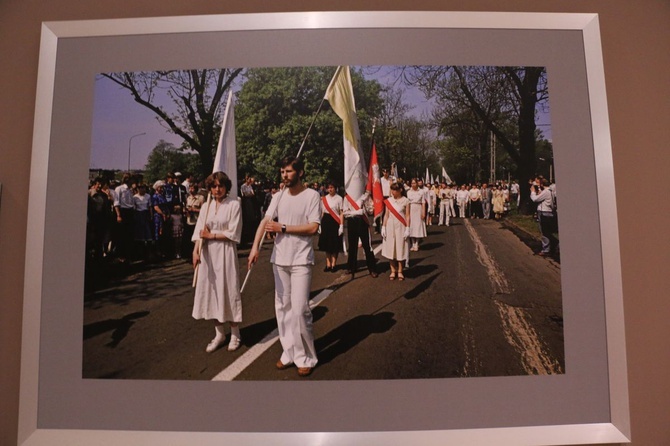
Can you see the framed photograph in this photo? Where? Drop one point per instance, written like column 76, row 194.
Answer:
column 586, row 403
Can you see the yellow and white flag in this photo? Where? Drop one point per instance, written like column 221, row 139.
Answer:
column 226, row 151
column 340, row 95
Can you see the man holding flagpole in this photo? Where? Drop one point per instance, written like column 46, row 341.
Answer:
column 340, row 95
column 298, row 212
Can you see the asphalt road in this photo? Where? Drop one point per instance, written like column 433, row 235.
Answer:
column 475, row 302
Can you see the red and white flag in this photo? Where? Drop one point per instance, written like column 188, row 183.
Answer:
column 374, row 182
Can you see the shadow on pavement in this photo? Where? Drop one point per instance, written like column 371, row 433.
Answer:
column 118, row 327
column 423, row 286
column 350, row 334
column 417, row 270
column 430, row 246
column 253, row 334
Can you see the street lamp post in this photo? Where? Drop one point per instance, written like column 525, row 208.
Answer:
column 129, row 143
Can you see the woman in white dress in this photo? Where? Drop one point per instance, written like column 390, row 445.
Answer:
column 498, row 202
column 417, row 228
column 216, row 235
column 395, row 231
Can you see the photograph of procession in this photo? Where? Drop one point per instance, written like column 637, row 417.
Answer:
column 371, row 223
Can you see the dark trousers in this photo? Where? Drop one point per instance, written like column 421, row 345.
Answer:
column 125, row 235
column 358, row 228
column 548, row 225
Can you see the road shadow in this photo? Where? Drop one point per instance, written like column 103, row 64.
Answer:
column 417, row 270
column 431, row 246
column 118, row 327
column 424, row 285
column 350, row 334
column 318, row 313
column 254, row 333
column 144, row 284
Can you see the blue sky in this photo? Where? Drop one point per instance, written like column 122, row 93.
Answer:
column 117, row 117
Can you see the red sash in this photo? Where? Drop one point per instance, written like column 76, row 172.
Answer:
column 331, row 211
column 356, row 207
column 395, row 212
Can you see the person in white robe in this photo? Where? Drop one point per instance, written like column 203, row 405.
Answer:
column 417, row 228
column 217, row 285
column 395, row 231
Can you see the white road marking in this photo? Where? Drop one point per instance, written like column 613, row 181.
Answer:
column 522, row 336
column 517, row 330
column 378, row 249
column 500, row 283
column 244, row 361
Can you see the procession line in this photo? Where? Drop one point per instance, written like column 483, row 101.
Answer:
column 244, row 361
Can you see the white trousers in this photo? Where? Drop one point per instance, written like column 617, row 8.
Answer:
column 294, row 318
column 445, row 212
column 461, row 208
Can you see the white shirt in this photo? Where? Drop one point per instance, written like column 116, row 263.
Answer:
column 335, row 203
column 123, row 197
column 462, row 195
column 386, row 186
column 544, row 200
column 416, row 196
column 292, row 210
column 141, row 202
column 247, row 190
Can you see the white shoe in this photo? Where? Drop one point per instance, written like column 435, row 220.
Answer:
column 234, row 343
column 214, row 344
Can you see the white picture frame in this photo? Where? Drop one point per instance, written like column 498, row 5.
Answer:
column 586, row 405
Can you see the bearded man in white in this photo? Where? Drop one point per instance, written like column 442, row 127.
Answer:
column 298, row 210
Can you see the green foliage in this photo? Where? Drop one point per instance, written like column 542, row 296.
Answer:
column 405, row 140
column 165, row 158
column 460, row 161
column 273, row 113
column 475, row 102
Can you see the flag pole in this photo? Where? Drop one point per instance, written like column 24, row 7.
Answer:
column 202, row 241
column 309, row 129
column 227, row 120
column 374, row 125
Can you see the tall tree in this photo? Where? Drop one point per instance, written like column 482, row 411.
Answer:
column 406, row 140
column 197, row 103
column 274, row 110
column 165, row 157
column 497, row 97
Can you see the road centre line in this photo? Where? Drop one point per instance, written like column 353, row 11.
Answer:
column 517, row 329
column 244, row 361
column 500, row 283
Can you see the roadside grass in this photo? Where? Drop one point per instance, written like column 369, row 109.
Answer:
column 525, row 222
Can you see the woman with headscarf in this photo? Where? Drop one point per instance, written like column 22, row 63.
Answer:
column 161, row 211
